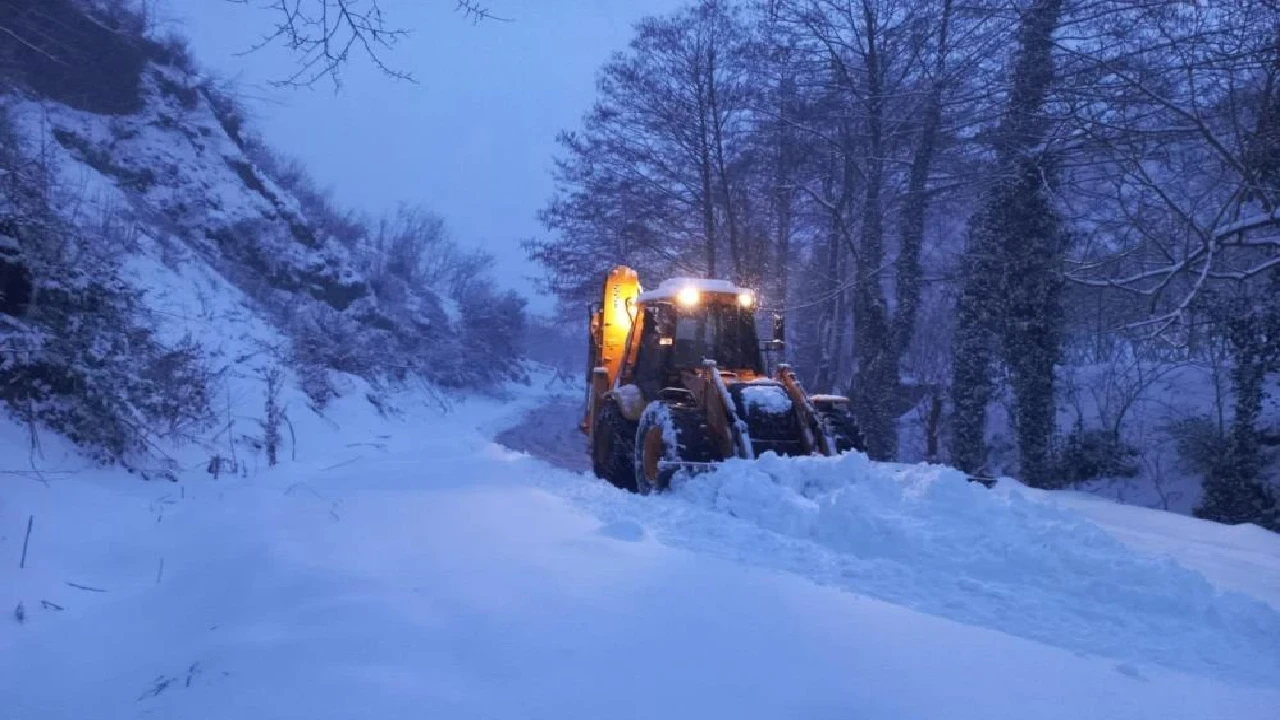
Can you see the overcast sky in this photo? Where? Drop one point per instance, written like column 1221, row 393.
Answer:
column 473, row 139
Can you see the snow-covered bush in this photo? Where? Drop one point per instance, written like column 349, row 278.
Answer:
column 77, row 351
column 492, row 329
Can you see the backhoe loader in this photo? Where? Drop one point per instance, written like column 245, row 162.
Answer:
column 676, row 382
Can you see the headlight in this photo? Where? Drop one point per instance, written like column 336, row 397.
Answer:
column 689, row 296
column 746, row 298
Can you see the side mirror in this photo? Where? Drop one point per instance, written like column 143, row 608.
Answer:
column 779, row 328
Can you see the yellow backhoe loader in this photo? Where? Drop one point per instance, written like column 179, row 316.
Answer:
column 676, row 381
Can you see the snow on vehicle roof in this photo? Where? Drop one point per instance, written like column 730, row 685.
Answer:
column 668, row 288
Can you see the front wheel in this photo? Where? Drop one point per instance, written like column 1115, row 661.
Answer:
column 666, row 436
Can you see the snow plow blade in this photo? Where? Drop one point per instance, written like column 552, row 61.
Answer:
column 697, row 468
column 693, row 468
column 984, row 480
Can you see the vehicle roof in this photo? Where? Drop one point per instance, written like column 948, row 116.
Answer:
column 668, row 289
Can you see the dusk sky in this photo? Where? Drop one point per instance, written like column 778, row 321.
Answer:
column 473, row 139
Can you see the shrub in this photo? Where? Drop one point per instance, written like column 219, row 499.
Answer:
column 1201, row 445
column 78, row 353
column 1094, row 454
column 84, row 363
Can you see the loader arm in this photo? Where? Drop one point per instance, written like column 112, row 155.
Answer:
column 610, row 328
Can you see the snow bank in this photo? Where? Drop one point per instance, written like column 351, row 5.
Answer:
column 924, row 537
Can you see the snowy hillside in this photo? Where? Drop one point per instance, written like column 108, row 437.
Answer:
column 157, row 258
column 181, row 171
column 416, row 568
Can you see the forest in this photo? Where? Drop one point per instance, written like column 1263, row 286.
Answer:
column 1012, row 233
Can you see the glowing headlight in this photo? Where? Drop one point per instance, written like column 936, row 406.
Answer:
column 746, row 298
column 688, row 296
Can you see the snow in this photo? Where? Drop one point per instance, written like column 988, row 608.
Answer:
column 453, row 557
column 770, row 399
column 926, row 538
column 630, row 399
column 411, row 567
column 822, row 397
column 669, row 288
column 1242, row 558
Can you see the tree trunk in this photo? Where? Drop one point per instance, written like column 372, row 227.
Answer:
column 972, row 358
column 825, row 377
column 877, row 381
column 1011, row 281
column 908, row 273
column 785, row 193
column 933, row 427
column 722, row 171
column 704, row 172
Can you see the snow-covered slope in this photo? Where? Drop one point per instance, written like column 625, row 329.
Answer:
column 415, row 568
column 114, row 188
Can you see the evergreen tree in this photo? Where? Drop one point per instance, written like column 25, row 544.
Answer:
column 1236, row 490
column 1010, row 292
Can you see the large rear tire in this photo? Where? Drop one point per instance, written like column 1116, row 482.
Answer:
column 613, row 447
column 671, row 434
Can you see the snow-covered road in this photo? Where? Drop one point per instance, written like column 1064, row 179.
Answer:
column 418, row 569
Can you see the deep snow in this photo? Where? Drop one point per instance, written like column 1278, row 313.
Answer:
column 414, row 568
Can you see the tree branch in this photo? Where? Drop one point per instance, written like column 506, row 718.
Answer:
column 325, row 33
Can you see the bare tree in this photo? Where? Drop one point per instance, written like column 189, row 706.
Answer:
column 1178, row 126
column 324, row 34
column 891, row 81
column 657, row 177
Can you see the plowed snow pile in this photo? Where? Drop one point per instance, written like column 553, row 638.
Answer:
column 924, row 537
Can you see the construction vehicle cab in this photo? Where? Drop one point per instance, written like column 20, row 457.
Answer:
column 681, row 324
column 677, row 382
